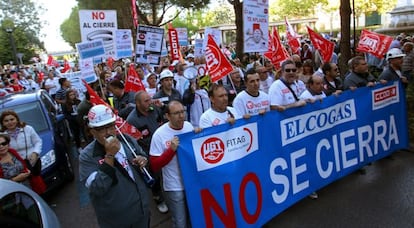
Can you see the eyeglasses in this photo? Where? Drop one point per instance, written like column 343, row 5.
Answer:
column 177, row 113
column 4, row 143
column 336, row 69
column 290, row 70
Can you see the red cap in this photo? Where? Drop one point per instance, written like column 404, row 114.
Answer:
column 256, row 26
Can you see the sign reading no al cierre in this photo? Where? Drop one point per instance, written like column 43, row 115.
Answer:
column 244, row 175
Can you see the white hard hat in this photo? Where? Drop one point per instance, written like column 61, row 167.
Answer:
column 394, row 53
column 100, row 115
column 166, row 74
column 189, row 56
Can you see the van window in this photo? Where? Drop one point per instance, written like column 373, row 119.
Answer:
column 19, row 209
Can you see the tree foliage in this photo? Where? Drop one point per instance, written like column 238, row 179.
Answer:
column 22, row 17
column 70, row 28
column 294, row 8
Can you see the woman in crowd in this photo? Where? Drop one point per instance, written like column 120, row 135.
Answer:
column 70, row 110
column 23, row 138
column 13, row 167
column 307, row 71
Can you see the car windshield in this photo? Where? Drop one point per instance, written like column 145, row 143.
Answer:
column 32, row 114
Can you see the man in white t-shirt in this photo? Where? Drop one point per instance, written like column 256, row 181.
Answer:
column 282, row 92
column 52, row 84
column 219, row 113
column 315, row 89
column 163, row 157
column 251, row 101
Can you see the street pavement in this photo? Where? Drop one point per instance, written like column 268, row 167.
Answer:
column 383, row 197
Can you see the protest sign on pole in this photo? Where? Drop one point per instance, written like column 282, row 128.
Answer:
column 255, row 25
column 149, row 44
column 123, row 43
column 175, row 52
column 182, row 36
column 99, row 25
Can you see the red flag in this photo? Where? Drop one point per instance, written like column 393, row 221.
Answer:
column 324, row 46
column 374, row 43
column 40, row 77
column 175, row 52
column 134, row 13
column 218, row 65
column 277, row 52
column 292, row 37
column 110, row 62
column 51, row 61
column 133, row 82
column 66, row 66
column 120, row 123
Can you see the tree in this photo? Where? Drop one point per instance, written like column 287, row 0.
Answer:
column 238, row 12
column 345, row 44
column 22, row 18
column 368, row 7
column 294, row 8
column 70, row 28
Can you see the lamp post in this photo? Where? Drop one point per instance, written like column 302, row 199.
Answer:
column 10, row 32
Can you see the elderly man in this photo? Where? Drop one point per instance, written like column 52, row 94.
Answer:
column 111, row 172
column 282, row 92
column 359, row 75
column 314, row 91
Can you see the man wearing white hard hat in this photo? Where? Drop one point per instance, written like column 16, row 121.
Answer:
column 111, row 173
column 189, row 59
column 393, row 72
column 167, row 93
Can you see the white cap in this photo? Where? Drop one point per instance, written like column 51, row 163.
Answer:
column 100, row 115
column 394, row 53
column 166, row 74
column 190, row 56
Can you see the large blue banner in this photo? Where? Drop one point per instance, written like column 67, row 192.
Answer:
column 244, row 175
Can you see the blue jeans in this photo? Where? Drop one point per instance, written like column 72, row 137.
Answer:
column 177, row 205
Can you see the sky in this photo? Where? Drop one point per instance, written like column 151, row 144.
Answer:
column 57, row 12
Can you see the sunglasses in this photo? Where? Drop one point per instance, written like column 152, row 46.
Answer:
column 4, row 143
column 290, row 70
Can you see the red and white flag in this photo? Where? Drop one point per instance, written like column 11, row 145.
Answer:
column 120, row 123
column 133, row 82
column 324, row 46
column 217, row 64
column 175, row 52
column 292, row 38
column 66, row 66
column 277, row 52
column 52, row 61
column 374, row 43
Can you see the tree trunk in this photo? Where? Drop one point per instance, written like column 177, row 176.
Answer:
column 345, row 44
column 238, row 10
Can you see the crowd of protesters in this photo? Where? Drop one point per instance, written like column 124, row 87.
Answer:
column 302, row 79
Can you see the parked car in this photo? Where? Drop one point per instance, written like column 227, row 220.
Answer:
column 40, row 111
column 21, row 207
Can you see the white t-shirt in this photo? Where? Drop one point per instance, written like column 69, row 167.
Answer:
column 265, row 85
column 299, row 87
column 212, row 118
column 200, row 105
column 280, row 94
column 308, row 95
column 52, row 82
column 171, row 173
column 244, row 103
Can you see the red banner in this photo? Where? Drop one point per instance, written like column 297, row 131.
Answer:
column 277, row 52
column 174, row 45
column 217, row 63
column 324, row 46
column 374, row 43
column 292, row 38
column 133, row 82
column 120, row 123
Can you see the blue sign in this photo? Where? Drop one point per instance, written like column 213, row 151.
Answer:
column 91, row 49
column 246, row 174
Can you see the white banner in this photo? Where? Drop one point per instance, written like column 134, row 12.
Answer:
column 99, row 24
column 182, row 36
column 215, row 33
column 255, row 25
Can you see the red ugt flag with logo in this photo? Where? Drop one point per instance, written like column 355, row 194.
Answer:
column 324, row 46
column 217, row 64
column 374, row 43
column 277, row 52
column 133, row 82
